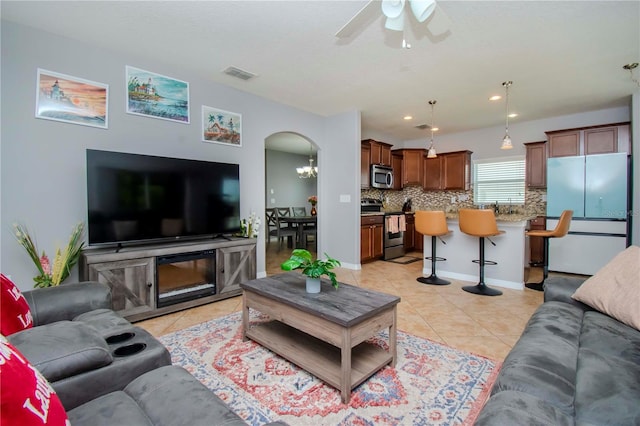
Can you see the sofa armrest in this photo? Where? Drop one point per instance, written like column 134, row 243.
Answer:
column 560, row 289
column 67, row 301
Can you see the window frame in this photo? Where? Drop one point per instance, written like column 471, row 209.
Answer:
column 519, row 180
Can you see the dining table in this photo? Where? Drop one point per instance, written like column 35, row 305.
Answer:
column 300, row 222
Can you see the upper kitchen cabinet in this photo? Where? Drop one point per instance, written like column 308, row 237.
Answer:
column 605, row 139
column 365, row 169
column 564, row 144
column 536, row 164
column 396, row 165
column 456, row 169
column 448, row 171
column 411, row 165
column 380, row 152
column 432, row 180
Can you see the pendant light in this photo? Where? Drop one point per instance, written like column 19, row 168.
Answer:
column 431, row 152
column 506, row 141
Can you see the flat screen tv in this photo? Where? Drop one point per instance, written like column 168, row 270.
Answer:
column 135, row 198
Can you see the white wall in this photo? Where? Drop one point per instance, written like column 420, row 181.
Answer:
column 43, row 181
column 281, row 177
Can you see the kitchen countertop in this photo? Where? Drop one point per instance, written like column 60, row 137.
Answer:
column 515, row 217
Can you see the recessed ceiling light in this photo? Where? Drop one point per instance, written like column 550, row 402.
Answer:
column 513, row 114
column 435, row 129
column 408, row 117
column 495, row 98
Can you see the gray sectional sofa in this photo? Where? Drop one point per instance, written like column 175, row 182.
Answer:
column 572, row 366
column 106, row 371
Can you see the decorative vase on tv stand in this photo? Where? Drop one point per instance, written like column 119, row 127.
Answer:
column 313, row 211
column 313, row 285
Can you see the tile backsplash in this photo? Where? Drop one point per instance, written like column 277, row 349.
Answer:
column 535, row 199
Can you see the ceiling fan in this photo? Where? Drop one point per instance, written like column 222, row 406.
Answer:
column 395, row 13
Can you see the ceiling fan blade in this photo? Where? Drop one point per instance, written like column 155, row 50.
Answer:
column 439, row 23
column 366, row 15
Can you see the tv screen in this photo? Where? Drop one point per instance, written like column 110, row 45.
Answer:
column 140, row 198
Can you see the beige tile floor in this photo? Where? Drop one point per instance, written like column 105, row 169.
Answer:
column 488, row 326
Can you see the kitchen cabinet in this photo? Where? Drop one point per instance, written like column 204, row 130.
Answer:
column 448, row 171
column 409, row 234
column 412, row 160
column 564, row 144
column 418, row 241
column 456, row 169
column 380, row 152
column 604, row 139
column 396, row 165
column 365, row 166
column 601, row 141
column 536, row 164
column 536, row 244
column 432, row 174
column 371, row 238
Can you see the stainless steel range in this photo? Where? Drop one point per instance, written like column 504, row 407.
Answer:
column 394, row 227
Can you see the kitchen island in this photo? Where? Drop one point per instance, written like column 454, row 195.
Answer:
column 460, row 249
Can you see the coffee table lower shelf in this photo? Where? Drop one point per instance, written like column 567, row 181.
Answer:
column 316, row 356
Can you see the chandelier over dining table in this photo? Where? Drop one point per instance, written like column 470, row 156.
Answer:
column 310, row 171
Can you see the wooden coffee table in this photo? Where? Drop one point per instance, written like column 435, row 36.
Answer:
column 324, row 333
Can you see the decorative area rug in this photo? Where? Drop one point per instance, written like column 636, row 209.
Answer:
column 432, row 384
column 404, row 260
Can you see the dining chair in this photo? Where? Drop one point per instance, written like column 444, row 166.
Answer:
column 272, row 223
column 310, row 231
column 299, row 211
column 284, row 228
column 283, row 211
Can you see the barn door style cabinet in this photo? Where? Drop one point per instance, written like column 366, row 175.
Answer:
column 141, row 276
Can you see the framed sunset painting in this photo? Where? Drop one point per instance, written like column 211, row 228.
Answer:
column 157, row 96
column 69, row 99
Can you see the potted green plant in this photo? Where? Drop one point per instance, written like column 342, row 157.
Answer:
column 313, row 269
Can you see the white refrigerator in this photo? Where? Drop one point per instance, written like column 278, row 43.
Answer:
column 595, row 187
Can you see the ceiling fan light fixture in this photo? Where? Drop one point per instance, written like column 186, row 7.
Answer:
column 392, row 8
column 422, row 9
column 395, row 24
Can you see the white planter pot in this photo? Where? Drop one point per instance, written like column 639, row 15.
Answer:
column 313, row 285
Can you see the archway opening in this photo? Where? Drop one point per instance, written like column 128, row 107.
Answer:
column 289, row 191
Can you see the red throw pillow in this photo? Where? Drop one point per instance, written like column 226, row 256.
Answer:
column 15, row 314
column 27, row 399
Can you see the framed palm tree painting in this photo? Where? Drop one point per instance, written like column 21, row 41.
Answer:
column 220, row 126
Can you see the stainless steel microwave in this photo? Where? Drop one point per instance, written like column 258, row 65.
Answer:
column 381, row 177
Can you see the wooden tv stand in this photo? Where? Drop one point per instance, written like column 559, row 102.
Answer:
column 130, row 271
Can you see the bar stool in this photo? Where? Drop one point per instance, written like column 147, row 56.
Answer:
column 433, row 223
column 481, row 224
column 561, row 229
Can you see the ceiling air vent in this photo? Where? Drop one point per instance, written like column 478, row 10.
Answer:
column 423, row 127
column 238, row 73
